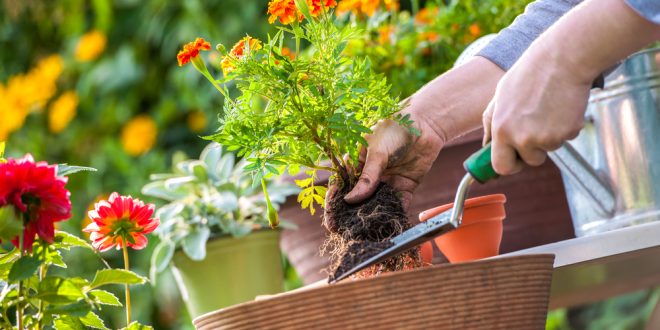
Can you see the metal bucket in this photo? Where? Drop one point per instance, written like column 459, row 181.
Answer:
column 621, row 140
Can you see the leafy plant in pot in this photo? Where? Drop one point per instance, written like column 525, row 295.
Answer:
column 301, row 112
column 212, row 231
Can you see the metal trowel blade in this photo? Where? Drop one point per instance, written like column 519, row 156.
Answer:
column 407, row 240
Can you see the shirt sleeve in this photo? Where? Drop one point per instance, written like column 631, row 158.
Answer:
column 649, row 9
column 512, row 41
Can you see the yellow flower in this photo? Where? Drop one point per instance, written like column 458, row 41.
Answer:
column 62, row 111
column 90, row 46
column 139, row 135
column 12, row 114
column 28, row 92
column 197, row 121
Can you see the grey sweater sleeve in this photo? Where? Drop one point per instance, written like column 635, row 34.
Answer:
column 649, row 9
column 512, row 41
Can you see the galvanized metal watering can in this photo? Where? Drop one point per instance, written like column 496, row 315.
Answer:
column 621, row 142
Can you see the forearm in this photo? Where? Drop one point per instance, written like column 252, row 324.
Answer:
column 592, row 37
column 453, row 103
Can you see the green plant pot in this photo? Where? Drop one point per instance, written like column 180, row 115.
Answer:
column 235, row 270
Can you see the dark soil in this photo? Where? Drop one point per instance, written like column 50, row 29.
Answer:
column 358, row 232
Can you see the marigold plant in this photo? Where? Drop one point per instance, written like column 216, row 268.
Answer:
column 306, row 113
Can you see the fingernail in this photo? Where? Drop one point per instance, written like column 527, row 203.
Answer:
column 351, row 195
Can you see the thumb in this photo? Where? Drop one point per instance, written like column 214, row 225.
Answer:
column 369, row 179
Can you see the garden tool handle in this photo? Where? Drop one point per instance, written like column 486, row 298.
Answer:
column 480, row 166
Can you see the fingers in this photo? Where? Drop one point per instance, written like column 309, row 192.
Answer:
column 487, row 120
column 504, row 158
column 405, row 186
column 374, row 165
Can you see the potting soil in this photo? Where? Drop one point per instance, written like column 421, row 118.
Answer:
column 358, row 232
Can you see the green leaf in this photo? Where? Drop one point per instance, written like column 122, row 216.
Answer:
column 69, row 240
column 137, row 326
column 66, row 322
column 2, row 152
column 161, row 257
column 116, row 276
column 64, row 169
column 104, row 298
column 194, row 245
column 94, row 321
column 304, row 182
column 10, row 224
column 23, row 268
column 57, row 290
column 78, row 309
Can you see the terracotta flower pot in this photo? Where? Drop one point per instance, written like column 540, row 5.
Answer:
column 480, row 233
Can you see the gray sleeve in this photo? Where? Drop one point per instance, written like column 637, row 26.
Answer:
column 649, row 9
column 512, row 41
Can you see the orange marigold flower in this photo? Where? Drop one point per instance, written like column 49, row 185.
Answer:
column 429, row 36
column 385, row 34
column 348, row 5
column 358, row 7
column 287, row 52
column 317, row 6
column 426, row 16
column 392, row 5
column 121, row 221
column 238, row 52
column 474, row 30
column 191, row 50
column 369, row 7
column 285, row 10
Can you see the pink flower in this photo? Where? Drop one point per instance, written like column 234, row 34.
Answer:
column 37, row 195
column 120, row 221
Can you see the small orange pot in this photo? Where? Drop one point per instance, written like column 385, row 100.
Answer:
column 480, row 233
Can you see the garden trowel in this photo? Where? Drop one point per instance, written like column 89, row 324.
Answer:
column 479, row 168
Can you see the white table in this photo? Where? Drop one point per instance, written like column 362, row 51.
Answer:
column 593, row 268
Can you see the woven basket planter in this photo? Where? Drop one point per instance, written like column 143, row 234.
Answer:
column 504, row 293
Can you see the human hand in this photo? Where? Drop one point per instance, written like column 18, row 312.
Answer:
column 540, row 102
column 535, row 109
column 447, row 107
column 396, row 156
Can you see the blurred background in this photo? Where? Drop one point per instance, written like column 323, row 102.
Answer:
column 96, row 83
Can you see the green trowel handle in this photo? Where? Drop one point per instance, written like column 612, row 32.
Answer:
column 480, row 166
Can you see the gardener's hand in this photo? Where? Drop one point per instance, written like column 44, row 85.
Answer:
column 449, row 106
column 397, row 157
column 540, row 102
column 535, row 109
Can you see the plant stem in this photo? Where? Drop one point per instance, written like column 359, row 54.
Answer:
column 42, row 274
column 128, row 291
column 19, row 306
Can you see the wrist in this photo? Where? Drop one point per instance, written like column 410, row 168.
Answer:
column 453, row 103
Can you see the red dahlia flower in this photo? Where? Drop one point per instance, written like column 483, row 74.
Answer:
column 121, row 221
column 37, row 194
